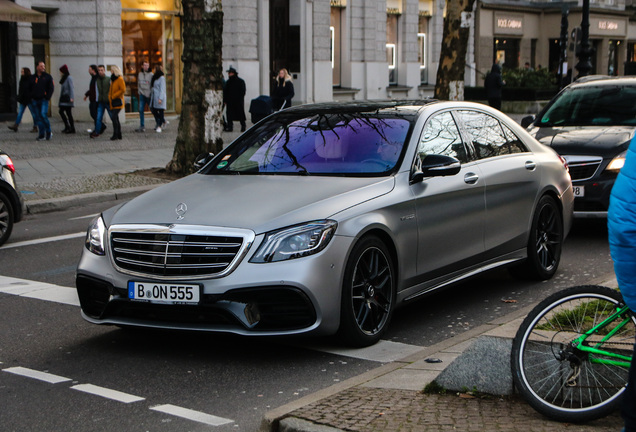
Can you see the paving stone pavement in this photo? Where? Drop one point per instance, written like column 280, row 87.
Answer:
column 379, row 410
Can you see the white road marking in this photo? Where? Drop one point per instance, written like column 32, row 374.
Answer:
column 384, row 351
column 39, row 290
column 189, row 414
column 43, row 240
column 107, row 393
column 42, row 376
column 90, row 216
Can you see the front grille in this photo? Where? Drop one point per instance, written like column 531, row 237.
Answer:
column 175, row 254
column 583, row 168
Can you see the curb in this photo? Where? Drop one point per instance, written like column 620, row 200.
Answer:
column 63, row 203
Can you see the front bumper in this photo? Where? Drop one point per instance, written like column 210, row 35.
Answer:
column 595, row 202
column 285, row 298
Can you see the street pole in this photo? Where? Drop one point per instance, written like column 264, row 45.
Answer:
column 563, row 44
column 584, row 66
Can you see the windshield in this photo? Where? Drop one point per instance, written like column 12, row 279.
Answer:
column 318, row 144
column 592, row 105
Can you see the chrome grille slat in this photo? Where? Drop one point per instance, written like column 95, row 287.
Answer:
column 174, row 254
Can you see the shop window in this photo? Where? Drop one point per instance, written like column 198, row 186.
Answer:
column 507, row 52
column 612, row 61
column 148, row 36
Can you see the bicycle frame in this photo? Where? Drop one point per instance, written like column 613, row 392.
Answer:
column 620, row 360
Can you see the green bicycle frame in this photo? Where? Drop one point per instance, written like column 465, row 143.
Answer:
column 614, row 359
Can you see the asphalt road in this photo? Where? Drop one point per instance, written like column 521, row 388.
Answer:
column 164, row 381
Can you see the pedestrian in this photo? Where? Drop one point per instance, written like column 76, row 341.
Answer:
column 67, row 98
column 144, row 79
column 284, row 90
column 234, row 100
column 42, row 88
column 24, row 98
column 621, row 227
column 158, row 101
column 102, row 88
column 494, row 83
column 91, row 95
column 116, row 99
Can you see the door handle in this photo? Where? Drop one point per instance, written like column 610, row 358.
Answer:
column 531, row 165
column 471, row 178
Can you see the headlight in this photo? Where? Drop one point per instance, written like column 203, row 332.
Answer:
column 95, row 236
column 617, row 163
column 295, row 242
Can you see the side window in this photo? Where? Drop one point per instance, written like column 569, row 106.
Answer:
column 441, row 137
column 489, row 137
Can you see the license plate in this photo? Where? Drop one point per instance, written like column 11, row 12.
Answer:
column 579, row 191
column 164, row 292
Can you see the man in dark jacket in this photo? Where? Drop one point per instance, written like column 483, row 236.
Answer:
column 493, row 83
column 41, row 91
column 91, row 94
column 233, row 99
column 102, row 85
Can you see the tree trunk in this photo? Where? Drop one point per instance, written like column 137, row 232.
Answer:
column 200, row 123
column 452, row 62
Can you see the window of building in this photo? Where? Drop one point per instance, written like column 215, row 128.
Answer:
column 335, row 29
column 391, row 46
column 612, row 61
column 421, row 51
column 507, row 52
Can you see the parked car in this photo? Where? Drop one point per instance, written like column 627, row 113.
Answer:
column 590, row 123
column 322, row 218
column 11, row 202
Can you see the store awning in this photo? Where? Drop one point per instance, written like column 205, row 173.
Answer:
column 12, row 12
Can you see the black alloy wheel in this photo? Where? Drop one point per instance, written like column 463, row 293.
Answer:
column 368, row 293
column 6, row 218
column 544, row 243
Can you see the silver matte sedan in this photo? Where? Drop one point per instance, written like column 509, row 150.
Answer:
column 323, row 218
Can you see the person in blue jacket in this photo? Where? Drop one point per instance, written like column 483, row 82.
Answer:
column 621, row 226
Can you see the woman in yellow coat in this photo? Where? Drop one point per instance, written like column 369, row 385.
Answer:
column 116, row 99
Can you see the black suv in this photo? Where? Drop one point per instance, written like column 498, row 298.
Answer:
column 590, row 123
column 11, row 202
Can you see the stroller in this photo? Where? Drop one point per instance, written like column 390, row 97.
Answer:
column 260, row 108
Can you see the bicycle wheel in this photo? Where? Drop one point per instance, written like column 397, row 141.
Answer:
column 556, row 378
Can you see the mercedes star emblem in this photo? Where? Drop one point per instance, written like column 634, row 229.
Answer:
column 181, row 210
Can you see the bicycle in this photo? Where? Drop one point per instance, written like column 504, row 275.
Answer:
column 571, row 355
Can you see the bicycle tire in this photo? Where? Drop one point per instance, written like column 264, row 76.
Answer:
column 558, row 380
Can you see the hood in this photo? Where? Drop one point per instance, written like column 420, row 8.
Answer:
column 259, row 203
column 585, row 140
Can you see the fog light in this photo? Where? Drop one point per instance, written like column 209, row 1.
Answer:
column 252, row 314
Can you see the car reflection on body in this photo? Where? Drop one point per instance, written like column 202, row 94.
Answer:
column 323, row 218
column 11, row 201
column 590, row 123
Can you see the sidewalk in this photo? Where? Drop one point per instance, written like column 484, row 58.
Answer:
column 73, row 170
column 390, row 397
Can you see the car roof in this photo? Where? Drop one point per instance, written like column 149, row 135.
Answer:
column 411, row 106
column 603, row 80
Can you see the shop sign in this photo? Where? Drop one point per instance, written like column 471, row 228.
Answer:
column 508, row 24
column 150, row 5
column 608, row 27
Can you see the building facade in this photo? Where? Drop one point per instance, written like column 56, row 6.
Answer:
column 334, row 49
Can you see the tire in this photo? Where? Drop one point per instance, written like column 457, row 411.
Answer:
column 6, row 218
column 559, row 380
column 545, row 242
column 368, row 293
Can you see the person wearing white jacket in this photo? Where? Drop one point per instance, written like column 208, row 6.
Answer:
column 158, row 98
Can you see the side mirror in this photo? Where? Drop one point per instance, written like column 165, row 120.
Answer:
column 435, row 166
column 527, row 121
column 202, row 160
